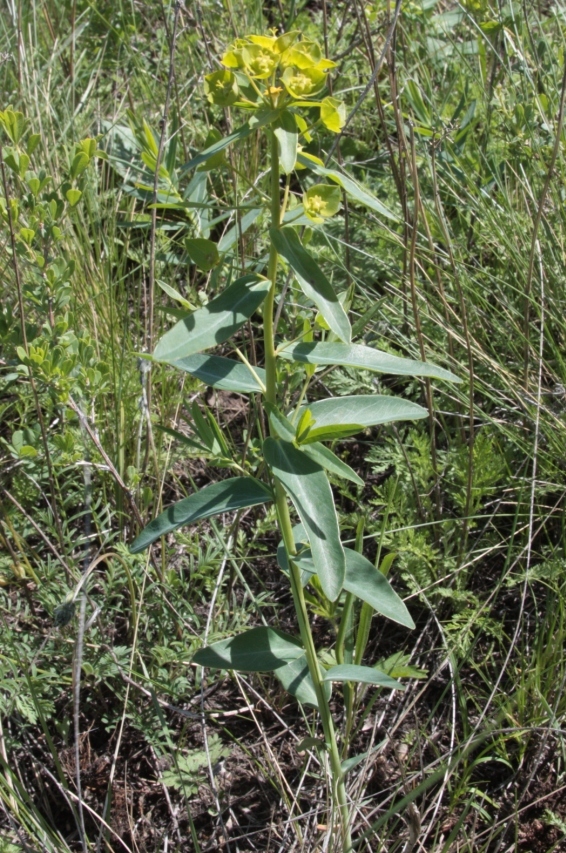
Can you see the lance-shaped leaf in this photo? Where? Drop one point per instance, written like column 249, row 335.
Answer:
column 362, row 579
column 312, row 280
column 297, row 681
column 320, row 454
column 354, row 190
column 369, row 584
column 257, row 650
column 223, row 373
column 225, row 496
column 357, row 412
column 214, row 323
column 363, row 675
column 328, row 460
column 307, row 485
column 287, row 136
column 367, row 358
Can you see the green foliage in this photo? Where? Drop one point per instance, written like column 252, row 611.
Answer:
column 187, row 772
column 294, row 70
column 125, row 223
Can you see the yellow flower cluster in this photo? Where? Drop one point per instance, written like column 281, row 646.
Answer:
column 298, row 62
column 294, row 67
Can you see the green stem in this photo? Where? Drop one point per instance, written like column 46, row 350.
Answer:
column 345, row 629
column 344, row 655
column 339, row 789
column 345, row 646
column 284, row 519
column 269, row 304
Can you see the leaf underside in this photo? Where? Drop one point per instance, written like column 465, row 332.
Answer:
column 296, row 680
column 365, row 410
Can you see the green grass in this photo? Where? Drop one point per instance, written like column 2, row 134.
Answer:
column 473, row 508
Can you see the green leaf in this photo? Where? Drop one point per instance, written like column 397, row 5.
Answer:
column 320, row 454
column 280, row 425
column 223, row 373
column 362, row 579
column 357, row 355
column 216, row 160
column 354, row 760
column 221, row 88
column 32, row 143
column 217, row 147
column 361, row 411
column 174, row 294
column 205, row 431
column 308, row 487
column 218, row 434
column 79, row 164
column 148, row 139
column 233, row 235
column 214, row 323
column 203, row 253
column 73, row 197
column 185, row 772
column 14, row 124
column 369, row 584
column 311, row 743
column 296, row 680
column 312, row 280
column 184, row 439
column 23, row 164
column 387, row 562
column 327, row 459
column 257, row 650
column 27, row 235
column 361, row 674
column 353, row 189
column 225, row 496
column 303, row 558
column 287, row 136
column 415, row 98
column 398, row 666
column 334, row 432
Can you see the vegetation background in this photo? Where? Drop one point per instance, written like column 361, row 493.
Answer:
column 461, row 136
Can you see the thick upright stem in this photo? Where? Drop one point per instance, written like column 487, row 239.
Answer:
column 284, row 519
column 269, row 304
column 339, row 789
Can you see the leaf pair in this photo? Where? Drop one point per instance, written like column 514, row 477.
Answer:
column 270, row 650
column 361, row 579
